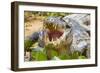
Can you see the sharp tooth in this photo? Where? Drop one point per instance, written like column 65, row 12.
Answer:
column 55, row 27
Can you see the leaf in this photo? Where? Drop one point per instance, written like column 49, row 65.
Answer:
column 64, row 57
column 50, row 51
column 75, row 55
column 39, row 56
column 82, row 57
column 54, row 53
column 27, row 44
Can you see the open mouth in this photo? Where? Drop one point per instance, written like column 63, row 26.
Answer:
column 55, row 27
column 54, row 34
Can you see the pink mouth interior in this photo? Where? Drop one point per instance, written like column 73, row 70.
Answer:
column 54, row 34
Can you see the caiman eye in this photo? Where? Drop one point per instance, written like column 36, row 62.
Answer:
column 67, row 26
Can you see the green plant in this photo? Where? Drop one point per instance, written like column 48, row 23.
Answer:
column 39, row 56
column 82, row 57
column 75, row 55
column 28, row 44
column 50, row 50
column 64, row 57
